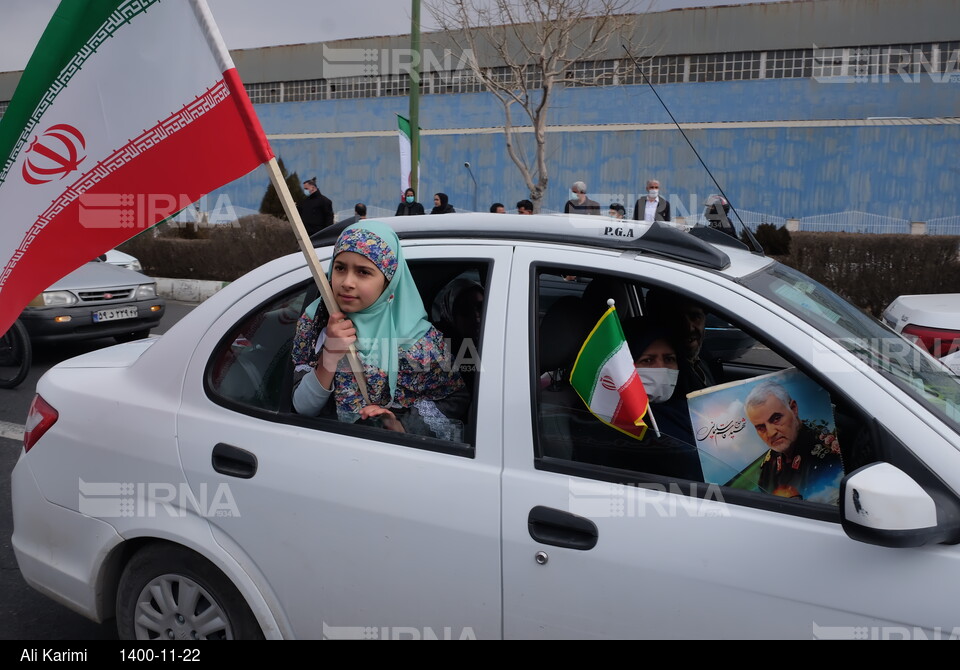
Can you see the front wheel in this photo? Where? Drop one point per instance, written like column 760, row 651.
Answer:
column 168, row 592
column 16, row 355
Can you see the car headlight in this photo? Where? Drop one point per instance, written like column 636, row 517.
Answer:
column 54, row 299
column 134, row 265
column 146, row 291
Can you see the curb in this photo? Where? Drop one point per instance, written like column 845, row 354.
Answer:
column 187, row 290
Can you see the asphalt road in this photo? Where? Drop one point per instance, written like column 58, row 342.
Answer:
column 25, row 614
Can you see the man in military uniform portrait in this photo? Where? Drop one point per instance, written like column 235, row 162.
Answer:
column 802, row 462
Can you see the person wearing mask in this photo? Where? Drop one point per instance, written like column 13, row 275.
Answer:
column 658, row 365
column 525, row 207
column 441, row 204
column 579, row 203
column 617, row 211
column 409, row 206
column 316, row 210
column 653, row 207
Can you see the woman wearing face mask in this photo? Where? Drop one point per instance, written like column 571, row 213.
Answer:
column 655, row 357
column 671, row 454
column 653, row 207
column 409, row 205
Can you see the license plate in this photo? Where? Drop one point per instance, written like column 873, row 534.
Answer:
column 115, row 314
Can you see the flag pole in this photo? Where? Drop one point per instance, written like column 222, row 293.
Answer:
column 319, row 276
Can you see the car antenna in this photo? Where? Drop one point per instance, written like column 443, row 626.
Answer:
column 755, row 246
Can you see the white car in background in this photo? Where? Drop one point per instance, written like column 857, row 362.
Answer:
column 932, row 321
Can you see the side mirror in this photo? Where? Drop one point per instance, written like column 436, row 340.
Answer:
column 882, row 505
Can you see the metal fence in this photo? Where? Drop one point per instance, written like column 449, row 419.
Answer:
column 855, row 222
column 947, row 225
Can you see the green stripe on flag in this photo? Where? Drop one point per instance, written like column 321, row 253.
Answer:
column 77, row 28
column 605, row 339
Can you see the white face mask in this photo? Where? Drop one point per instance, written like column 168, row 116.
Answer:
column 653, row 192
column 659, row 382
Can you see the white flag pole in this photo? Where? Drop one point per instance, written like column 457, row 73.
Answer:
column 653, row 421
column 306, row 246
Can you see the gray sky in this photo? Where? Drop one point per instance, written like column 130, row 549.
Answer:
column 255, row 23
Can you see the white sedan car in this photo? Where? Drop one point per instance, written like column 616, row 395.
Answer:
column 932, row 321
column 170, row 484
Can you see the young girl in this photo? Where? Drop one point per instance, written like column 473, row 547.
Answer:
column 410, row 378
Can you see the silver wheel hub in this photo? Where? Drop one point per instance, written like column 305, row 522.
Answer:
column 174, row 607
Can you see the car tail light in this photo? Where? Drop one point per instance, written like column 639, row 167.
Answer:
column 937, row 341
column 39, row 419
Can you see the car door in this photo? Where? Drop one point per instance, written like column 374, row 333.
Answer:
column 351, row 532
column 599, row 552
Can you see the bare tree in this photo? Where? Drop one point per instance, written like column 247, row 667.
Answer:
column 522, row 51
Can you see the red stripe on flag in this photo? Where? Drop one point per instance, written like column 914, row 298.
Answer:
column 633, row 405
column 190, row 163
column 252, row 123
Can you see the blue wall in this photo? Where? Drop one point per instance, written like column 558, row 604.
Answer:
column 902, row 171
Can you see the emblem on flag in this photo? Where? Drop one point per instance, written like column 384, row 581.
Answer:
column 55, row 153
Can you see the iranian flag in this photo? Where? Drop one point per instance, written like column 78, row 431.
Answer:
column 128, row 111
column 605, row 378
column 406, row 154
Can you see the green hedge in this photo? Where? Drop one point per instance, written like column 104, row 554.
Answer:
column 223, row 253
column 871, row 270
column 868, row 270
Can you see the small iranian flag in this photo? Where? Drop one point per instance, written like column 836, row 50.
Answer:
column 128, row 111
column 605, row 378
column 406, row 154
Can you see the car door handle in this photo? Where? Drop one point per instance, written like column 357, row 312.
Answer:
column 234, row 462
column 562, row 529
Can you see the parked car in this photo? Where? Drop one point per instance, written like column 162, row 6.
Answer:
column 169, row 483
column 932, row 321
column 96, row 300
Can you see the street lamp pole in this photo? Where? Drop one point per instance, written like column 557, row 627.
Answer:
column 475, row 187
column 415, row 98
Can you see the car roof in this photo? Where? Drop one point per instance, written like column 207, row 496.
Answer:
column 701, row 246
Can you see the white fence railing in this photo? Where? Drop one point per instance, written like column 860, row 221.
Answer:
column 855, row 222
column 947, row 225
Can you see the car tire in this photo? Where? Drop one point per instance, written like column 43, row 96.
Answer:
column 132, row 337
column 167, row 592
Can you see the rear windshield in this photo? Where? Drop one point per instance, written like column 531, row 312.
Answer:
column 906, row 365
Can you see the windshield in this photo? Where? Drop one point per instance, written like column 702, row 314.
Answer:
column 899, row 360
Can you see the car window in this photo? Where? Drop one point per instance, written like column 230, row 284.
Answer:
column 255, row 366
column 251, row 363
column 903, row 364
column 760, row 426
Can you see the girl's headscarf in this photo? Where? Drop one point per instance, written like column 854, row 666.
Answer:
column 397, row 318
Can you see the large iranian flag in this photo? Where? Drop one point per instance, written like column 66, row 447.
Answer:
column 128, row 111
column 605, row 378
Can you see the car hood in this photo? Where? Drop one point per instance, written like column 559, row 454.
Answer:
column 940, row 310
column 99, row 275
column 117, row 356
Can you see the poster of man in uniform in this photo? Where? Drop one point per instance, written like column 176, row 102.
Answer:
column 774, row 434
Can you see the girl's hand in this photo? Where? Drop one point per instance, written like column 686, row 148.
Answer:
column 387, row 418
column 340, row 335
